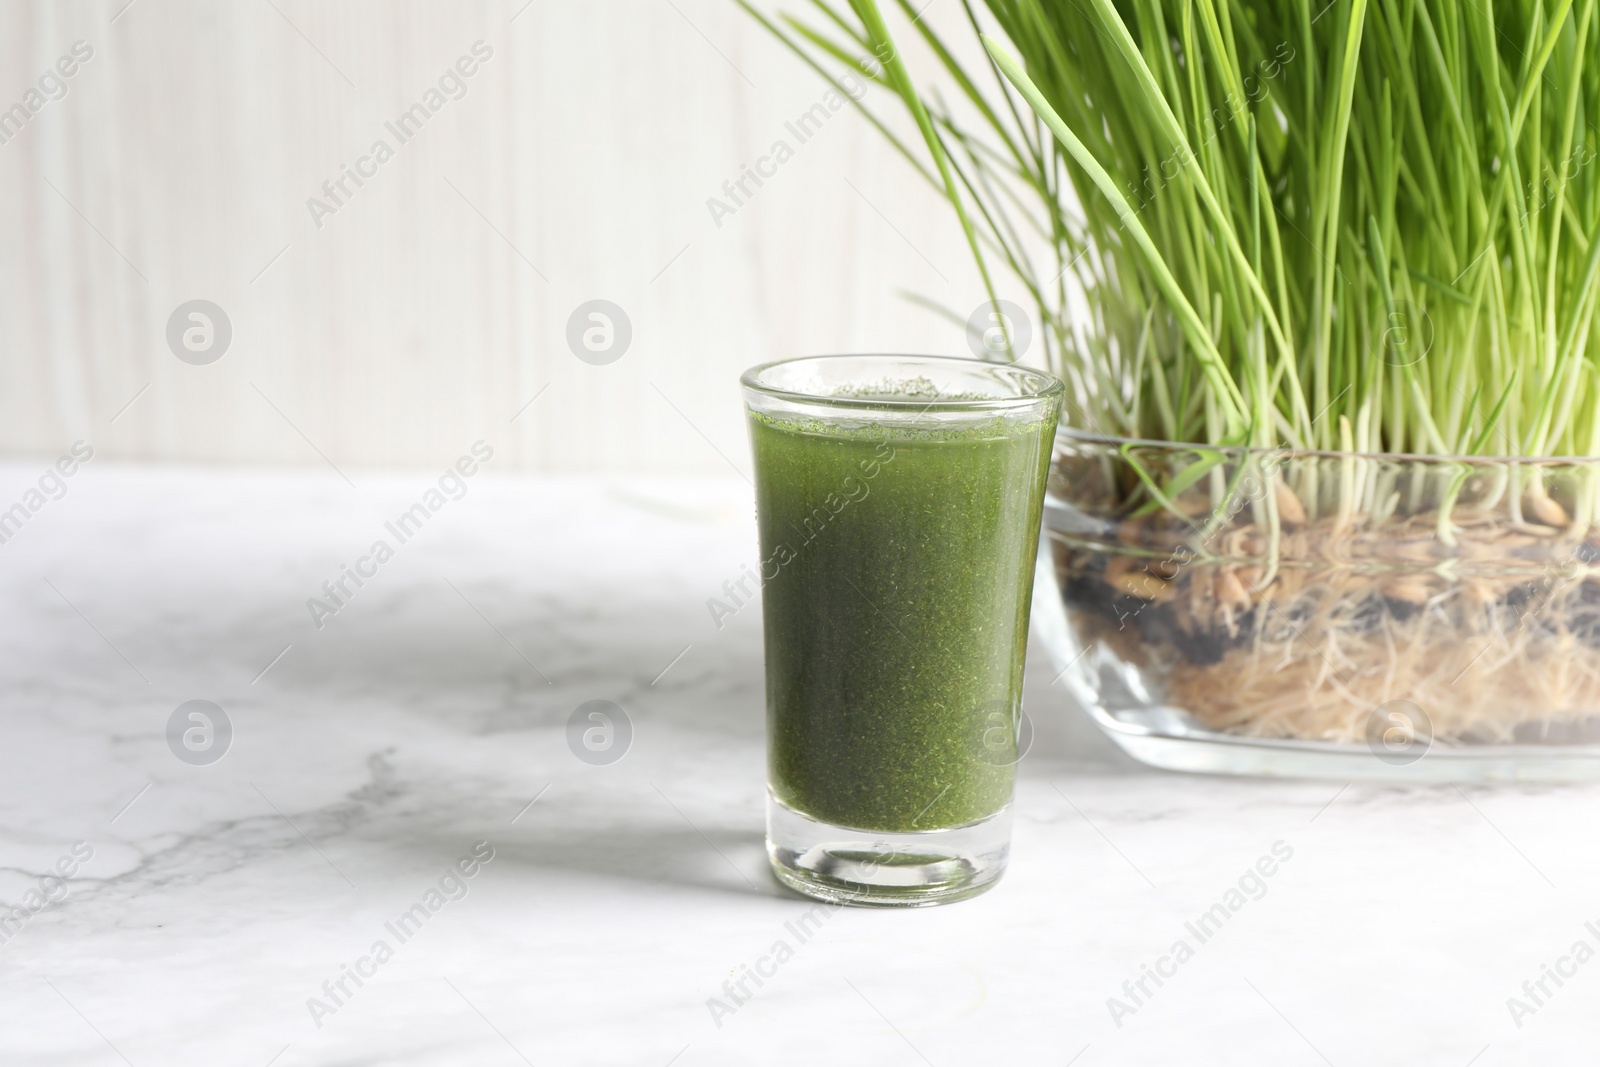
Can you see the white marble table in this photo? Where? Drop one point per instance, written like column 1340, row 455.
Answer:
column 432, row 708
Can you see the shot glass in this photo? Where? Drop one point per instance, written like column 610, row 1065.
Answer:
column 898, row 501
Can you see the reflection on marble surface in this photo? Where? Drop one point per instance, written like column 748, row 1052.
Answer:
column 621, row 913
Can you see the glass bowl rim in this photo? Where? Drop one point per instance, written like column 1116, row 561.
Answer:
column 1050, row 385
column 1300, row 454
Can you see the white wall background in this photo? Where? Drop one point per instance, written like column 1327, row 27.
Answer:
column 434, row 304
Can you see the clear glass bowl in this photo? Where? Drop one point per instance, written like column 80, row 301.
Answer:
column 1345, row 615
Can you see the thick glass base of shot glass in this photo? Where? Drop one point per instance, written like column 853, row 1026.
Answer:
column 871, row 868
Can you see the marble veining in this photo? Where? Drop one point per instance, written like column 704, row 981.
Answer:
column 627, row 906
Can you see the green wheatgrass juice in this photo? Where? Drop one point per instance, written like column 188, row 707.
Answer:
column 897, row 571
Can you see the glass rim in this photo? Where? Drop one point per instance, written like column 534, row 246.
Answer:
column 1049, row 385
column 1292, row 454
